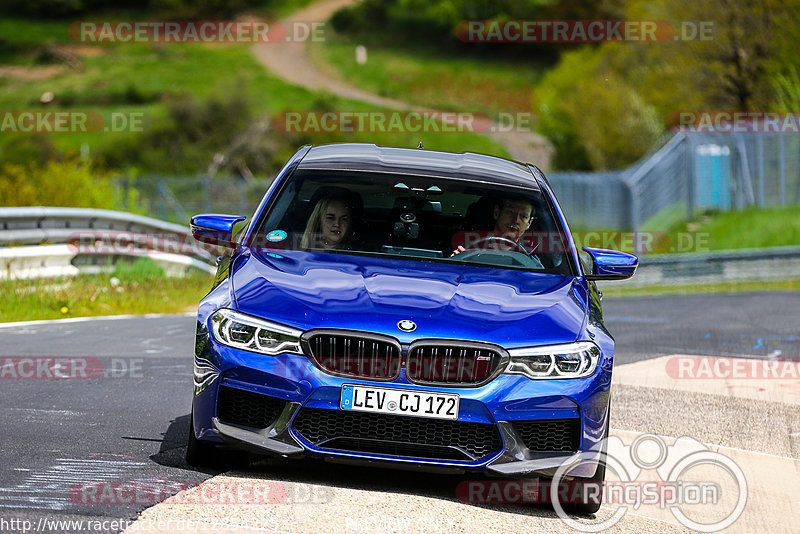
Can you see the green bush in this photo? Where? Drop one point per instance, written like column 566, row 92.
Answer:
column 194, row 133
column 62, row 8
column 594, row 119
column 21, row 149
column 615, row 125
column 433, row 20
column 787, row 87
column 185, row 141
column 129, row 95
column 176, row 9
column 68, row 183
column 554, row 118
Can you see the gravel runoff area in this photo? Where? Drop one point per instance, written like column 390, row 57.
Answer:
column 759, row 437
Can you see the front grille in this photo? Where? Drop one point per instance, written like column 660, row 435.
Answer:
column 355, row 356
column 550, row 434
column 245, row 408
column 395, row 435
column 451, row 364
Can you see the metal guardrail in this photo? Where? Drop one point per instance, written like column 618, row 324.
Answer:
column 44, row 241
column 34, row 225
column 745, row 265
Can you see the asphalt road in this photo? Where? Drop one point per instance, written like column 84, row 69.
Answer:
column 125, row 422
column 734, row 324
column 66, row 441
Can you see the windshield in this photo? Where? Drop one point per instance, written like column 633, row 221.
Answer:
column 415, row 218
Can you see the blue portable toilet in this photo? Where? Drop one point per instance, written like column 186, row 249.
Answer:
column 713, row 177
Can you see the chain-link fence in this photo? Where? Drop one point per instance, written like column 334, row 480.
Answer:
column 684, row 173
column 177, row 198
column 689, row 172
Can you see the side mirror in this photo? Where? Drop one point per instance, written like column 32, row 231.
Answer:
column 215, row 229
column 611, row 264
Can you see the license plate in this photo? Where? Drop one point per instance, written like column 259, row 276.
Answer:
column 399, row 401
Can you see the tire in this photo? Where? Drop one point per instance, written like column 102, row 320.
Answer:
column 201, row 453
column 590, row 506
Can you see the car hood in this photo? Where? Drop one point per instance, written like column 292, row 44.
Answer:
column 453, row 301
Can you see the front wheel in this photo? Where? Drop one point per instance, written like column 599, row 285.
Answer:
column 200, row 453
column 586, row 493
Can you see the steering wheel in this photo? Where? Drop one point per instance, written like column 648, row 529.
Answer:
column 515, row 246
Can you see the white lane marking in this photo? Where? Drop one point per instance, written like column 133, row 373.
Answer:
column 49, row 489
column 98, row 318
column 66, row 413
column 716, row 446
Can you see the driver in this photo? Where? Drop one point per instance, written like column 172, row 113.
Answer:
column 512, row 218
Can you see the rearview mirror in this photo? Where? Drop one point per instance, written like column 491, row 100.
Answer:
column 215, row 229
column 611, row 264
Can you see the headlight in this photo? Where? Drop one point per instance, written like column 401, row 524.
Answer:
column 246, row 332
column 571, row 360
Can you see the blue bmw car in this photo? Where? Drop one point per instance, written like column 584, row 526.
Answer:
column 407, row 308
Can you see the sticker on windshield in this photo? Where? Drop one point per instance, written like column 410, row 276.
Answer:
column 276, row 236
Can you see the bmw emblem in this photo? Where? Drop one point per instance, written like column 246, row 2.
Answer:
column 407, row 326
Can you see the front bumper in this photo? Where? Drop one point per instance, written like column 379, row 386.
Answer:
column 505, row 402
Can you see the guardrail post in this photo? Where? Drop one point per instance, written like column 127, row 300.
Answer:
column 242, row 197
column 782, row 167
column 690, row 204
column 162, row 196
column 635, row 218
column 206, row 193
column 760, row 150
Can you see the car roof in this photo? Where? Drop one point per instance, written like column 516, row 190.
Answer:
column 364, row 157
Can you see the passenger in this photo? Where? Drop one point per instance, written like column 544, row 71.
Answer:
column 330, row 225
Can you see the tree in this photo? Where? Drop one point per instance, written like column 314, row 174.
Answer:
column 750, row 44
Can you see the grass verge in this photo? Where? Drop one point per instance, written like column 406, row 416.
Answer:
column 711, row 231
column 124, row 78
column 618, row 289
column 427, row 77
column 91, row 295
column 747, row 228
